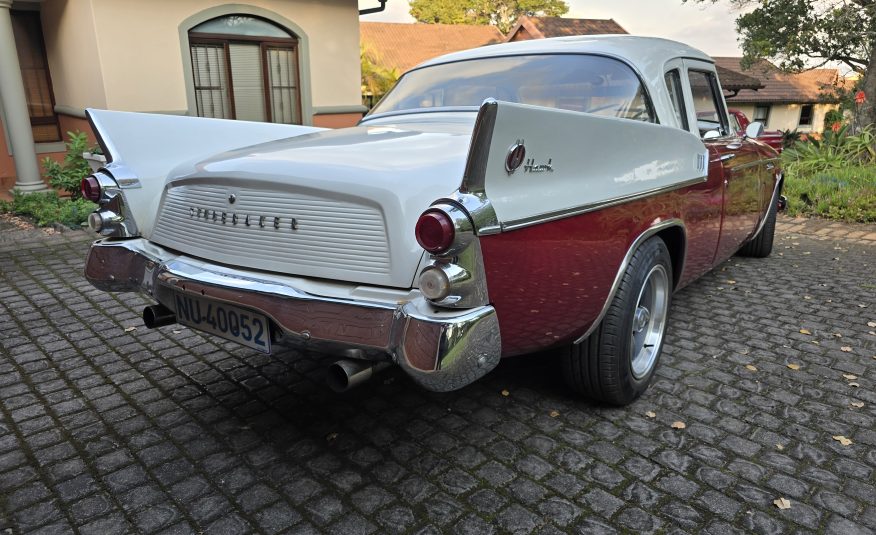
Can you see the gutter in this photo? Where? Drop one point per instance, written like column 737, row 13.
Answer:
column 371, row 10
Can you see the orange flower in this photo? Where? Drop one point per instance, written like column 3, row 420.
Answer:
column 835, row 126
column 860, row 97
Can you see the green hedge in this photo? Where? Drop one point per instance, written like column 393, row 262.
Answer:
column 47, row 208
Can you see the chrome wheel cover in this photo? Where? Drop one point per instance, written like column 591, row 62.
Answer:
column 649, row 322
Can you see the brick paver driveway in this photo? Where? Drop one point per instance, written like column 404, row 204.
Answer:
column 109, row 429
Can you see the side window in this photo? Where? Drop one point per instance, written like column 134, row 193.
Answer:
column 673, row 85
column 806, row 115
column 710, row 116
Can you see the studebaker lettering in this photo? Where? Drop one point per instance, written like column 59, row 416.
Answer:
column 548, row 194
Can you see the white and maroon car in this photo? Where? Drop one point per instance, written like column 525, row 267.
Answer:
column 498, row 201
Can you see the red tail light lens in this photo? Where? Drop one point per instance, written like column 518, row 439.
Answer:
column 435, row 231
column 90, row 188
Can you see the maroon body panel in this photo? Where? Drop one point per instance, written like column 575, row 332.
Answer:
column 548, row 282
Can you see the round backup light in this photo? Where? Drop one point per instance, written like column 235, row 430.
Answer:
column 435, row 231
column 434, row 283
column 90, row 188
column 95, row 221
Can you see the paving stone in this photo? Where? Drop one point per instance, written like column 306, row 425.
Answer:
column 155, row 431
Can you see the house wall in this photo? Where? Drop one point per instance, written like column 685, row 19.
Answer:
column 787, row 116
column 133, row 55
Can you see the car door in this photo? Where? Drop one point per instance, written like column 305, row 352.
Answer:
column 738, row 158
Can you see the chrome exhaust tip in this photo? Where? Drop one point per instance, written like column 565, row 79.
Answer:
column 348, row 373
column 158, row 316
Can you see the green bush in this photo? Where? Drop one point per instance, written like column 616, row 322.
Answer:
column 67, row 176
column 47, row 208
column 834, row 177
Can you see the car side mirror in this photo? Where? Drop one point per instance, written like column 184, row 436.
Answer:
column 754, row 129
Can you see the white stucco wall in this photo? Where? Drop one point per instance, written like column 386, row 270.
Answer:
column 787, row 116
column 128, row 54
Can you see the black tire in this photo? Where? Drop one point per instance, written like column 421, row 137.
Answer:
column 762, row 245
column 602, row 366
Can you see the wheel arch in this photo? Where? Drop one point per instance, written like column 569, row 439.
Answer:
column 674, row 234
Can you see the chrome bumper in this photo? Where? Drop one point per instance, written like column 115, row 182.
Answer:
column 441, row 350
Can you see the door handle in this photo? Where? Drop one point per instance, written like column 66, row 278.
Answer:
column 734, row 145
column 728, row 156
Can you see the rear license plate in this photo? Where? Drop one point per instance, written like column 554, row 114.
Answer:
column 228, row 321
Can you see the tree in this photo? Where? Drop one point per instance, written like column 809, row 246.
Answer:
column 376, row 79
column 802, row 34
column 501, row 13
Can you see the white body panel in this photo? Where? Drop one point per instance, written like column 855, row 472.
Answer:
column 355, row 193
column 594, row 160
column 150, row 145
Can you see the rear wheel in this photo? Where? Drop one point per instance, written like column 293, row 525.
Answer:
column 762, row 245
column 617, row 362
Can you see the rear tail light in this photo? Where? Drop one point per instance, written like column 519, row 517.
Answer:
column 435, row 231
column 90, row 188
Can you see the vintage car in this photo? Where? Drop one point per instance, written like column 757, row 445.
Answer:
column 739, row 122
column 548, row 194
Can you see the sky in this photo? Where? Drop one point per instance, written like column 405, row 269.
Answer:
column 709, row 27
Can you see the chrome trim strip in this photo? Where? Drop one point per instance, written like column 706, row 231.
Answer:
column 777, row 190
column 592, row 207
column 623, row 267
column 474, row 177
column 109, row 149
column 755, row 164
column 471, row 193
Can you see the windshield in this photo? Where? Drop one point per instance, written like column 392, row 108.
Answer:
column 593, row 84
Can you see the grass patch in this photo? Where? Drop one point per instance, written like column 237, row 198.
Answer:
column 844, row 194
column 46, row 209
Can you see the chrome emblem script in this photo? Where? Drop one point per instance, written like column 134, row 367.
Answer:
column 531, row 167
column 516, row 155
column 235, row 218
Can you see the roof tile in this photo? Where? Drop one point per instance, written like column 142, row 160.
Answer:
column 403, row 46
column 809, row 86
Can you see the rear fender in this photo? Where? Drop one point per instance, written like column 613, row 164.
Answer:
column 142, row 148
column 573, row 163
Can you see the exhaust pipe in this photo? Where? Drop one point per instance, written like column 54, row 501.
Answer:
column 345, row 374
column 158, row 316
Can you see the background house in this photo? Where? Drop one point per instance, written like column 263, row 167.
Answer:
column 543, row 27
column 286, row 61
column 786, row 101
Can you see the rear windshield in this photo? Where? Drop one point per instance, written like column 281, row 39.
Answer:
column 593, row 84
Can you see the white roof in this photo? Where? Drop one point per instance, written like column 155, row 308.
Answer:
column 639, row 51
column 648, row 55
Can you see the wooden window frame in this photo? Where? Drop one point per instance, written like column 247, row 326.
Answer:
column 264, row 43
column 47, row 119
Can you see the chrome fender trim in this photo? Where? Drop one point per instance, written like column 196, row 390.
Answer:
column 651, row 231
column 777, row 190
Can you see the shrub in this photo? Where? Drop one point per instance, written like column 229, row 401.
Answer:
column 47, row 208
column 834, row 150
column 834, row 177
column 68, row 175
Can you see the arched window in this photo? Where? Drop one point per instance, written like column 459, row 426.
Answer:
column 245, row 68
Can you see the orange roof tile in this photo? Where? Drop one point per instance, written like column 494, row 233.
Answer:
column 810, row 86
column 403, row 46
column 544, row 27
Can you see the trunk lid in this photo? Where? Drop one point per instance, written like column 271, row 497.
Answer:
column 335, row 204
